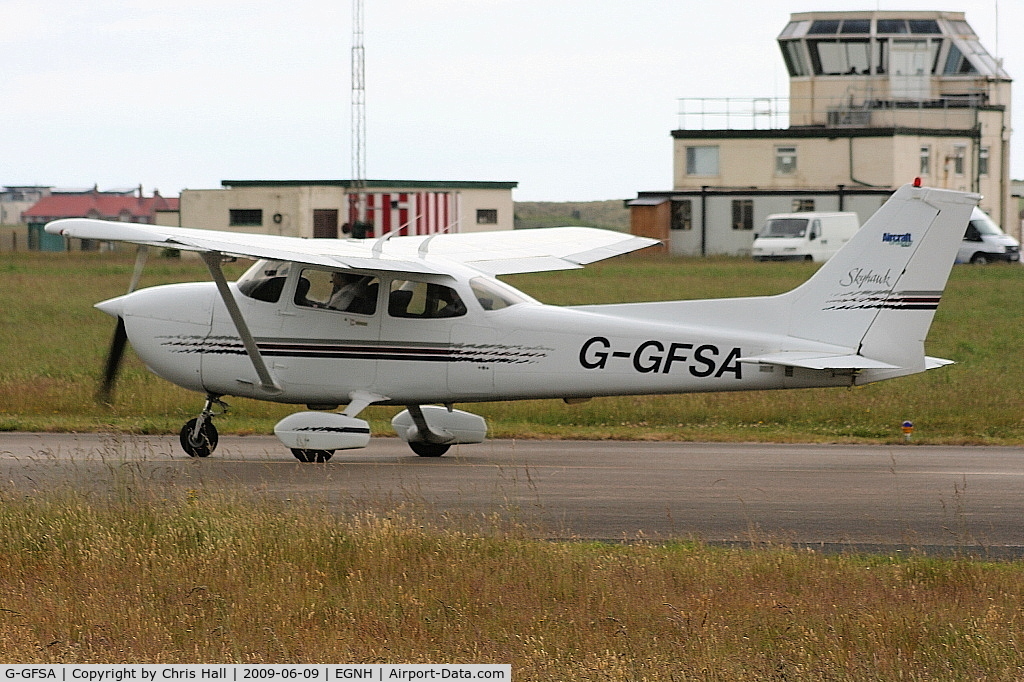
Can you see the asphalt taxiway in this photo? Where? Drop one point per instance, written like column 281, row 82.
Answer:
column 936, row 498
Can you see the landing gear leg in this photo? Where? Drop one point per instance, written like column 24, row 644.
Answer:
column 432, row 445
column 199, row 436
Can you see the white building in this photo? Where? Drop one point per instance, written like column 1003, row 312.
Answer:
column 330, row 208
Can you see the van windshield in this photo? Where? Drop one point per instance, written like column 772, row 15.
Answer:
column 785, row 227
column 985, row 225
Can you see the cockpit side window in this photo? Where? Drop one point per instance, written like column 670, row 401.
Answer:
column 264, row 281
column 409, row 298
column 342, row 291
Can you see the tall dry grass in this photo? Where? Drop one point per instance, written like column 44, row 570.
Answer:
column 159, row 576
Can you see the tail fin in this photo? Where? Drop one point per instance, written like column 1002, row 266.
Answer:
column 879, row 293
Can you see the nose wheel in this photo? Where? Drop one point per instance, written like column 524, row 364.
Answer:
column 199, row 436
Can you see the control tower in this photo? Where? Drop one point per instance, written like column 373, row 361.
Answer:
column 876, row 98
column 907, row 69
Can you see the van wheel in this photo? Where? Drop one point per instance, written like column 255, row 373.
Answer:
column 979, row 259
column 808, row 258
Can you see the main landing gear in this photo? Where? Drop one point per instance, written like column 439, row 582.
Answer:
column 199, row 436
column 312, row 455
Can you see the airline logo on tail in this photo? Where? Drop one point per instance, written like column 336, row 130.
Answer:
column 899, row 239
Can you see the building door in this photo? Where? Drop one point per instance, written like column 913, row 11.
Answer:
column 325, row 223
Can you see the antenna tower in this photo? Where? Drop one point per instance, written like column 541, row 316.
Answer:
column 357, row 191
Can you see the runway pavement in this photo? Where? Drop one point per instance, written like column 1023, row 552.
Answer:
column 946, row 499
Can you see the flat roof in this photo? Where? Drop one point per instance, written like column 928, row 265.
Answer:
column 375, row 184
column 802, row 132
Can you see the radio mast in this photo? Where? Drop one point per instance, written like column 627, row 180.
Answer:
column 357, row 190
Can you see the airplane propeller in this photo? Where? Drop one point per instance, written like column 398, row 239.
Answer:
column 115, row 354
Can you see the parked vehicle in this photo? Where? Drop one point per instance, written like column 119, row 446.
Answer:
column 804, row 236
column 984, row 242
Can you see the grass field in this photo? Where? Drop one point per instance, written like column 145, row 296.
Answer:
column 163, row 573
column 157, row 576
column 52, row 343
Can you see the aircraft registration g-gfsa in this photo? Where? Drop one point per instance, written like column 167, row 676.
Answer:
column 424, row 322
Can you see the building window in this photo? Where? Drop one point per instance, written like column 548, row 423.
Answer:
column 743, row 214
column 245, row 217
column 793, row 53
column 959, row 154
column 983, row 161
column 803, row 205
column 682, row 215
column 487, row 216
column 702, row 160
column 785, row 160
column 840, row 57
column 926, row 161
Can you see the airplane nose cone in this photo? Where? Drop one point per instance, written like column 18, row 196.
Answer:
column 113, row 307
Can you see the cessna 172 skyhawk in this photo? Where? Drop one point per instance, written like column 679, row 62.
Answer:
column 417, row 320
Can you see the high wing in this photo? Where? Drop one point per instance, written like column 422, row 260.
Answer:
column 492, row 253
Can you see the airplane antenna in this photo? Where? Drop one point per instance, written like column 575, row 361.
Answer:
column 422, row 251
column 378, row 246
column 357, row 191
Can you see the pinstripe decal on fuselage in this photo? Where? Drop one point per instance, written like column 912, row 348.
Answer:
column 360, row 350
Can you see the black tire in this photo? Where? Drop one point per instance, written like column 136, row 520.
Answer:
column 429, row 449
column 208, row 437
column 308, row 456
column 979, row 259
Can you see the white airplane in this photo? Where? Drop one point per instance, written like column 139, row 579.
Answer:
column 422, row 322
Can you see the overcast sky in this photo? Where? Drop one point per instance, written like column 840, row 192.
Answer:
column 572, row 99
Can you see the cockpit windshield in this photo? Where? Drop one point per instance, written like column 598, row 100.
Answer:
column 785, row 227
column 265, row 280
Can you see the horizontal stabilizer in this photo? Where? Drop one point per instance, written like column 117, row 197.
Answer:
column 813, row 360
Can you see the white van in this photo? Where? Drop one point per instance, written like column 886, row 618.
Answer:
column 804, row 236
column 984, row 242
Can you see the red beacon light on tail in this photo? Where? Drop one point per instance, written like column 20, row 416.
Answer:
column 917, row 182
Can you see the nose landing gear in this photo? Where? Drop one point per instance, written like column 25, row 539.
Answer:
column 199, row 436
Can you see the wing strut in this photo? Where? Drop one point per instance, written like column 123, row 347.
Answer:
column 267, row 381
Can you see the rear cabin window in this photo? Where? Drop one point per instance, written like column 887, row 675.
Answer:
column 490, row 297
column 423, row 300
column 346, row 292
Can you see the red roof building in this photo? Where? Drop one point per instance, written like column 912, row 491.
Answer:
column 126, row 208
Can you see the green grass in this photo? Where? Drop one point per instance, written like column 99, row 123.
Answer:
column 52, row 342
column 164, row 572
column 611, row 214
column 163, row 575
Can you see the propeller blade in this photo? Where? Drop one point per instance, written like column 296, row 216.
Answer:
column 105, row 394
column 113, row 366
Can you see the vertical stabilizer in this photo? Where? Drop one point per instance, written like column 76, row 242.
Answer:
column 879, row 293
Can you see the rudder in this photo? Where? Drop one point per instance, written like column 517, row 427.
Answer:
column 879, row 293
